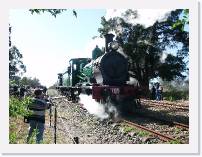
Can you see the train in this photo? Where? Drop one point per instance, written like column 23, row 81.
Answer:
column 105, row 77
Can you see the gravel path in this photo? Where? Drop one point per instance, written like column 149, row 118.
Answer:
column 75, row 121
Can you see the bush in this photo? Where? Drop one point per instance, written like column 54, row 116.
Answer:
column 17, row 111
column 175, row 95
column 18, row 107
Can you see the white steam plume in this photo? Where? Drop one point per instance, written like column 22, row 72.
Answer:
column 103, row 111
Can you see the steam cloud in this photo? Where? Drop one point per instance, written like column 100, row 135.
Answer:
column 103, row 111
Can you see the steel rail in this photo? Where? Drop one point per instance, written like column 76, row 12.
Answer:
column 167, row 122
column 181, row 125
column 161, row 136
column 164, row 103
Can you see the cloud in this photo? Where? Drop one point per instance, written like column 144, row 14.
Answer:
column 146, row 17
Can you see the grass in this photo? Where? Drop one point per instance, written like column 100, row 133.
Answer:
column 177, row 130
column 143, row 133
column 174, row 142
column 18, row 130
column 128, row 129
column 140, row 133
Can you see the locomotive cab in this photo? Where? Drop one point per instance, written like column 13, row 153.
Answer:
column 75, row 70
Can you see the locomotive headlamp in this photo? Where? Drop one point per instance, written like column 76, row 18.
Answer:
column 114, row 45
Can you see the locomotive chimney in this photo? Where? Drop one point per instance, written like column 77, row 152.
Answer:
column 108, row 39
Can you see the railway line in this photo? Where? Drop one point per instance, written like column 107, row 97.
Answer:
column 178, row 133
column 165, row 104
column 77, row 129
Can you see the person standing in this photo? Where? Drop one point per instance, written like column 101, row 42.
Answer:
column 157, row 91
column 153, row 93
column 161, row 92
column 37, row 117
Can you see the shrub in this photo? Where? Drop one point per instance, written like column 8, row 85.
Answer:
column 176, row 95
column 18, row 107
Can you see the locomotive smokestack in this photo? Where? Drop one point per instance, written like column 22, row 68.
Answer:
column 108, row 39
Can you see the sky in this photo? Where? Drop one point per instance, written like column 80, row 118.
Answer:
column 48, row 43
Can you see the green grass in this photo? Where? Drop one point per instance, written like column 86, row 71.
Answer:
column 174, row 142
column 17, row 111
column 17, row 130
column 13, row 138
column 143, row 133
column 177, row 130
column 128, row 129
column 140, row 133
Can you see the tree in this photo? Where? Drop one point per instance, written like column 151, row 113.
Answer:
column 30, row 82
column 53, row 12
column 16, row 66
column 172, row 32
column 145, row 46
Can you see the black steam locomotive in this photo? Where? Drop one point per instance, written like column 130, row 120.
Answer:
column 105, row 76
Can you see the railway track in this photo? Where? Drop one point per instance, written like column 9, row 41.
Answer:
column 59, row 122
column 165, row 104
column 161, row 136
column 164, row 121
column 167, row 131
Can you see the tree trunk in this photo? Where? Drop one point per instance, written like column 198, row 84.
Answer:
column 144, row 85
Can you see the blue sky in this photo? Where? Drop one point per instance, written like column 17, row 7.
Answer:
column 48, row 43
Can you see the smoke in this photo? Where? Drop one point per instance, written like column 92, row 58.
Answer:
column 132, row 81
column 103, row 111
column 146, row 17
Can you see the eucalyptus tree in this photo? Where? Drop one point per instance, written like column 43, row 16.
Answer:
column 16, row 66
column 53, row 12
column 145, row 46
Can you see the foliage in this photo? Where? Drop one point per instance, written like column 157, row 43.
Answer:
column 144, row 46
column 32, row 139
column 181, row 23
column 30, row 82
column 17, row 111
column 143, row 133
column 177, row 89
column 53, row 12
column 174, row 142
column 12, row 135
column 176, row 84
column 172, row 31
column 176, row 95
column 9, row 35
column 18, row 107
column 128, row 129
column 16, row 66
column 172, row 67
column 18, row 132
